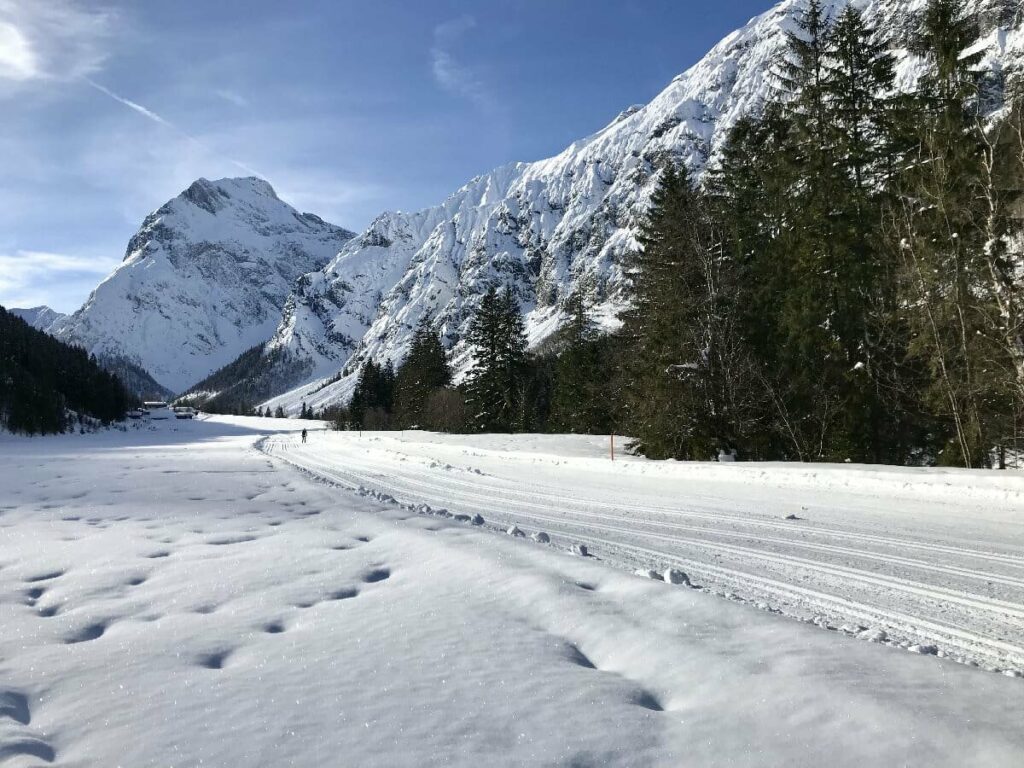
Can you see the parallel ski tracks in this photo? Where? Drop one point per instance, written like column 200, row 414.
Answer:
column 643, row 539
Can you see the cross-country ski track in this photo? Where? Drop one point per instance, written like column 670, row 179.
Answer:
column 923, row 560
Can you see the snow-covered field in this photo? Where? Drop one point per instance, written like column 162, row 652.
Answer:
column 183, row 596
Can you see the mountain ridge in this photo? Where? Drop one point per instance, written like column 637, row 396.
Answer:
column 557, row 226
column 41, row 318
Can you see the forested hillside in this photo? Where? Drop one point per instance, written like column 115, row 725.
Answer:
column 844, row 284
column 45, row 384
column 847, row 284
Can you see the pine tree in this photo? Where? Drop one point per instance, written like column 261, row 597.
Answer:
column 805, row 380
column 936, row 235
column 424, row 371
column 495, row 386
column 279, row 413
column 580, row 400
column 874, row 391
column 1004, row 246
column 801, row 78
column 373, row 399
column 684, row 392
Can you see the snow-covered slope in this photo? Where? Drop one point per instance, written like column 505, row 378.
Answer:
column 41, row 318
column 205, row 278
column 559, row 226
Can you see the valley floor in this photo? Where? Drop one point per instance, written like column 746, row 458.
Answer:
column 195, row 593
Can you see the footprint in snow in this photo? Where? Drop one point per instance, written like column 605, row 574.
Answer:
column 14, row 705
column 640, row 696
column 346, row 593
column 27, row 747
column 647, row 700
column 575, row 656
column 226, row 540
column 214, row 660
column 377, row 574
column 87, row 633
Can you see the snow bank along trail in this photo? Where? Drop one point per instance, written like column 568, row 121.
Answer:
column 926, row 559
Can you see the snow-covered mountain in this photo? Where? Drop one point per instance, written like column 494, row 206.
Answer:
column 559, row 226
column 205, row 278
column 41, row 318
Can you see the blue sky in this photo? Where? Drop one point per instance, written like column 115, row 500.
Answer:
column 347, row 108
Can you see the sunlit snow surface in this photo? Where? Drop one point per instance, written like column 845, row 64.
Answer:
column 184, row 596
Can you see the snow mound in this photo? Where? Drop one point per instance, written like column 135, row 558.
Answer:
column 675, row 576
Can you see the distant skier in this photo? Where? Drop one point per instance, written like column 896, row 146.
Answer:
column 303, row 435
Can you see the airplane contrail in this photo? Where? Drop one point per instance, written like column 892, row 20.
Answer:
column 150, row 114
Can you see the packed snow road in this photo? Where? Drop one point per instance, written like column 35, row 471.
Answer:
column 928, row 560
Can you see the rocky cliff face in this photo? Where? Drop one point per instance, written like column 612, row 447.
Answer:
column 205, row 278
column 559, row 226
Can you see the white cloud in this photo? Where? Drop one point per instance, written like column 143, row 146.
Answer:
column 27, row 278
column 452, row 75
column 52, row 40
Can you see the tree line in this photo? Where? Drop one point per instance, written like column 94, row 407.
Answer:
column 47, row 386
column 561, row 387
column 844, row 283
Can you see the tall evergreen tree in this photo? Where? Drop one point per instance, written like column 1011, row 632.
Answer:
column 424, row 371
column 373, row 398
column 580, row 400
column 801, row 74
column 1004, row 246
column 683, row 392
column 867, row 138
column 936, row 234
column 495, row 386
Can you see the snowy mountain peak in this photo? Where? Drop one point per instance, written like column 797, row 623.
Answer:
column 213, row 196
column 205, row 278
column 41, row 318
column 559, row 226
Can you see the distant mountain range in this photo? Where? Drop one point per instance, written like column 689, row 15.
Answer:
column 227, row 268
